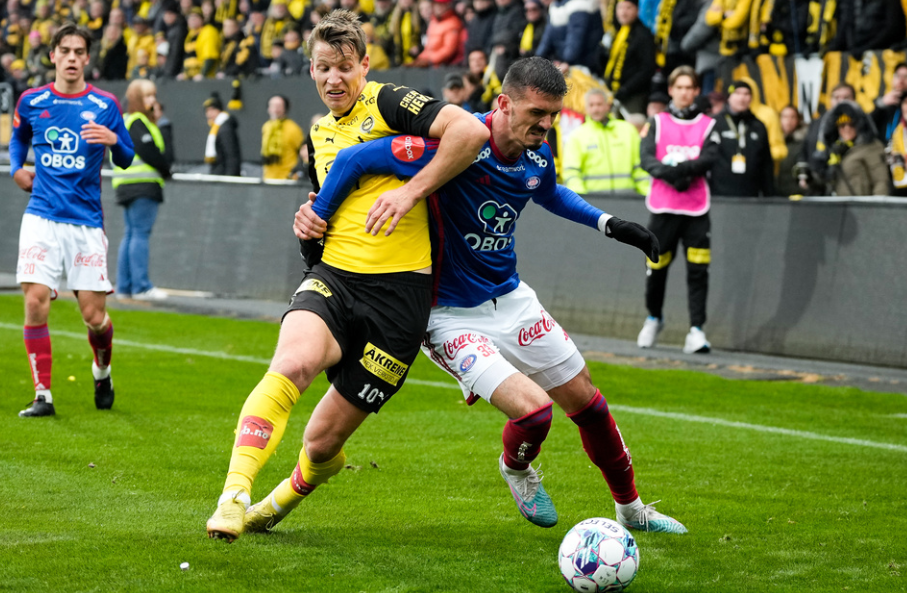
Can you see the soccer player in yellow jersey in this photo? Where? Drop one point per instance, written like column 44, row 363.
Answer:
column 361, row 312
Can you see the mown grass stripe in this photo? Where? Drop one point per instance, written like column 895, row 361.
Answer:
column 442, row 385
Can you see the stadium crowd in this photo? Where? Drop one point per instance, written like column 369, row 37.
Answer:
column 629, row 45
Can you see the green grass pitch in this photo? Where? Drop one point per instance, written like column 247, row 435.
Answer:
column 422, row 507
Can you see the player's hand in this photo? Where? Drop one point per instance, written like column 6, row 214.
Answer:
column 24, row 179
column 390, row 207
column 95, row 133
column 308, row 225
column 633, row 234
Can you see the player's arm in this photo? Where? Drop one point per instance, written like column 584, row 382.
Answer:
column 566, row 203
column 116, row 138
column 649, row 161
column 18, row 151
column 461, row 135
column 372, row 158
column 403, row 156
column 708, row 156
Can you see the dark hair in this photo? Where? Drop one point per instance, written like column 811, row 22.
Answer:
column 845, row 85
column 340, row 29
column 797, row 111
column 899, row 66
column 286, row 102
column 69, row 30
column 534, row 73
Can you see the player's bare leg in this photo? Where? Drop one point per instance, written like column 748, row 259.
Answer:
column 528, row 408
column 93, row 306
column 333, row 421
column 305, row 348
column 37, row 347
column 585, row 405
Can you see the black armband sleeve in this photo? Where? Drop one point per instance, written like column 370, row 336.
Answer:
column 407, row 110
column 310, row 168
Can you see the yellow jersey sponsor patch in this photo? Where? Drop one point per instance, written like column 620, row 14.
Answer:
column 383, row 365
column 315, row 285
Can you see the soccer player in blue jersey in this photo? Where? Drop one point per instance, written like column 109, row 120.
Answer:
column 70, row 124
column 487, row 328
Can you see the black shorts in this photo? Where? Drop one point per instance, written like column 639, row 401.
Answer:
column 378, row 320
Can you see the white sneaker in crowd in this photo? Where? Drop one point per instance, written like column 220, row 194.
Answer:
column 649, row 332
column 152, row 294
column 696, row 342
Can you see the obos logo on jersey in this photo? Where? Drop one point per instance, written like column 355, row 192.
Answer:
column 64, row 143
column 497, row 220
column 408, row 148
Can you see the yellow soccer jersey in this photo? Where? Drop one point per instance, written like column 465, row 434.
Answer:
column 381, row 110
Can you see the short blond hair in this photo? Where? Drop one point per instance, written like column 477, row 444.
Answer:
column 340, row 29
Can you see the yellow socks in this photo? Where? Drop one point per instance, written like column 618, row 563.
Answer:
column 261, row 425
column 306, row 477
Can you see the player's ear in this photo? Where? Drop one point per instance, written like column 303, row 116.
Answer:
column 504, row 103
column 365, row 64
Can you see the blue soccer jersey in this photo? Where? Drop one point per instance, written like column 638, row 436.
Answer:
column 473, row 216
column 67, row 185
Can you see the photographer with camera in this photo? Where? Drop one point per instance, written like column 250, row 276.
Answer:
column 281, row 140
column 856, row 158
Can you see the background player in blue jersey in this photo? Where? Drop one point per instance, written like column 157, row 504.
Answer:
column 487, row 328
column 69, row 123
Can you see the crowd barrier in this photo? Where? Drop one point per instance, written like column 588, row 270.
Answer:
column 818, row 278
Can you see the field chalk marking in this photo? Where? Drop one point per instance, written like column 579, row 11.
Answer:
column 445, row 385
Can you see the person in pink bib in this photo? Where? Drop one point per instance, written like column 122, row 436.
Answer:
column 678, row 148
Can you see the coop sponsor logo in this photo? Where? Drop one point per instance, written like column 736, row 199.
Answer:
column 408, row 148
column 33, row 253
column 98, row 102
column 39, row 98
column 382, row 365
column 486, row 152
column 254, row 432
column 537, row 330
column 314, row 285
column 537, row 159
column 451, row 347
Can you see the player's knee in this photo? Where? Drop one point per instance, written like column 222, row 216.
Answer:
column 96, row 320
column 36, row 311
column 321, row 448
column 300, row 372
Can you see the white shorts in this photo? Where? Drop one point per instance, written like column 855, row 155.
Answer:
column 481, row 346
column 48, row 249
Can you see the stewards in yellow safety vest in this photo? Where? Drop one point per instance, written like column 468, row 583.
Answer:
column 602, row 155
column 140, row 171
column 140, row 191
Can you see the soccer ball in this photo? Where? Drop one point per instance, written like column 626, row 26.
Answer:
column 598, row 555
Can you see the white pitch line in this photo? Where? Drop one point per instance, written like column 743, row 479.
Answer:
column 442, row 385
column 758, row 427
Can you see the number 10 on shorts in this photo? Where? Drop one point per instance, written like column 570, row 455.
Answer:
column 370, row 394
